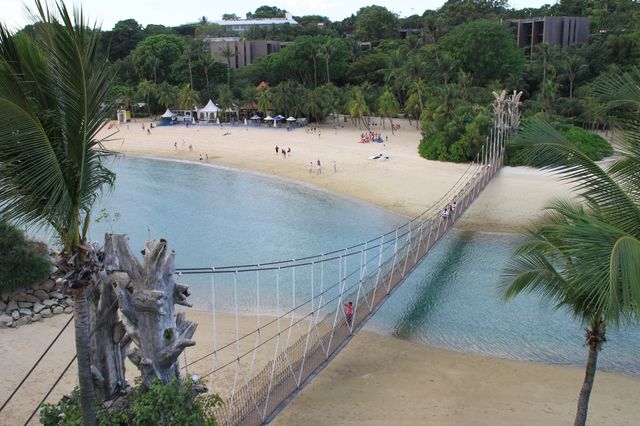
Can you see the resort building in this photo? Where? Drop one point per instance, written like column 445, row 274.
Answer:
column 242, row 25
column 555, row 31
column 239, row 53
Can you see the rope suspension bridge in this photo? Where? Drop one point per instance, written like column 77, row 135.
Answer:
column 290, row 318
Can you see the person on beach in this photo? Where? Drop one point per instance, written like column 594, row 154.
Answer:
column 190, row 148
column 318, row 169
column 206, row 156
column 335, row 166
column 175, row 146
column 277, row 149
column 348, row 312
column 200, row 157
column 284, row 153
column 310, row 166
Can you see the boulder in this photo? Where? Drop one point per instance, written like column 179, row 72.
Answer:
column 56, row 295
column 49, row 302
column 47, row 285
column 68, row 310
column 12, row 306
column 25, row 312
column 33, row 299
column 23, row 321
column 41, row 294
column 68, row 301
column 37, row 317
column 19, row 296
column 58, row 310
column 15, row 315
column 25, row 304
column 46, row 313
column 37, row 307
column 5, row 297
column 5, row 321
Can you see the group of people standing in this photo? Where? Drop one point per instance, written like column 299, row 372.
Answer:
column 284, row 152
column 449, row 210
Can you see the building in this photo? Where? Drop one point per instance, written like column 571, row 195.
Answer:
column 243, row 52
column 555, row 31
column 242, row 25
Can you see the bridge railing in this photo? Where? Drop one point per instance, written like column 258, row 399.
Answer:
column 300, row 331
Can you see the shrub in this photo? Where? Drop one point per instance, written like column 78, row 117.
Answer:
column 176, row 403
column 20, row 262
column 592, row 145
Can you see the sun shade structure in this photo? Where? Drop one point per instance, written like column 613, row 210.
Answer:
column 209, row 112
column 168, row 114
column 291, row 119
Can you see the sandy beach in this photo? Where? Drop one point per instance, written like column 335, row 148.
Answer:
column 375, row 379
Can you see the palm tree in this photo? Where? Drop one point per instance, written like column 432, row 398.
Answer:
column 227, row 52
column 357, row 107
column 187, row 97
column 263, row 100
column 225, row 99
column 388, row 106
column 585, row 257
column 166, row 94
column 53, row 103
column 145, row 88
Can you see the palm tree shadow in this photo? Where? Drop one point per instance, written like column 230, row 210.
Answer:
column 431, row 289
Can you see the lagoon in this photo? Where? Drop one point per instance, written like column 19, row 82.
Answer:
column 214, row 216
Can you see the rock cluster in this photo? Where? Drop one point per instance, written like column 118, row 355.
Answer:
column 41, row 300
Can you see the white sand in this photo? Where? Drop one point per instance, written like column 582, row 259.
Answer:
column 375, row 379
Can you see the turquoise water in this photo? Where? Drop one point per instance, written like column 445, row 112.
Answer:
column 214, row 216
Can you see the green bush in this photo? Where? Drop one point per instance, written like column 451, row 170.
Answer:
column 595, row 147
column 20, row 262
column 175, row 403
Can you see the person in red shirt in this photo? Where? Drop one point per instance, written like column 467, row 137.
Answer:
column 348, row 312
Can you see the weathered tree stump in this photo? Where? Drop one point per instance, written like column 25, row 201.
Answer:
column 146, row 296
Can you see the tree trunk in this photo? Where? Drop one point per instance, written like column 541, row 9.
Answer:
column 87, row 392
column 595, row 338
column 393, row 132
column 146, row 294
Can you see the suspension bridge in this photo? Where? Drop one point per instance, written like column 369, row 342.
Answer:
column 277, row 324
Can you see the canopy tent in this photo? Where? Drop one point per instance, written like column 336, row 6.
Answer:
column 168, row 115
column 209, row 112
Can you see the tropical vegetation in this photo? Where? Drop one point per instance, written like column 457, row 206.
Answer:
column 21, row 262
column 584, row 255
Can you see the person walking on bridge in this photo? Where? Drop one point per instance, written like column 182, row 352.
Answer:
column 348, row 312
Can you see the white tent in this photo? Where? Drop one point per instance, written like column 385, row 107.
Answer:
column 209, row 112
column 291, row 119
column 168, row 114
column 268, row 118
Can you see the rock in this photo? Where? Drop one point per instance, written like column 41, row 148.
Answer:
column 46, row 313
column 25, row 312
column 41, row 294
column 60, row 283
column 3, row 305
column 25, row 304
column 5, row 297
column 47, row 285
column 32, row 299
column 68, row 301
column 23, row 321
column 37, row 307
column 56, row 295
column 19, row 296
column 15, row 315
column 68, row 310
column 49, row 302
column 12, row 306
column 37, row 317
column 58, row 310
column 5, row 321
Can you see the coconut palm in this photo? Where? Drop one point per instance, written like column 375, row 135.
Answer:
column 586, row 257
column 53, row 102
column 225, row 100
column 357, row 106
column 187, row 97
column 146, row 88
column 388, row 106
column 263, row 100
column 228, row 52
column 166, row 94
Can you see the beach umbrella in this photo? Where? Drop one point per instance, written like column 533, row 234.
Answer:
column 268, row 118
column 279, row 117
column 256, row 117
column 291, row 119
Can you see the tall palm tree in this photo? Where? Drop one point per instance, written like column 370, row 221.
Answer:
column 187, row 97
column 167, row 95
column 388, row 106
column 228, row 52
column 53, row 103
column 146, row 88
column 585, row 257
column 225, row 100
column 263, row 100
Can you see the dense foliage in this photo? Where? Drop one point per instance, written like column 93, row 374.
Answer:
column 437, row 65
column 21, row 263
column 176, row 403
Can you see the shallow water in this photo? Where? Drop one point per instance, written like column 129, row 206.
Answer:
column 213, row 216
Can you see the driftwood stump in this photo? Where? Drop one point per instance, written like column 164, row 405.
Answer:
column 146, row 295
